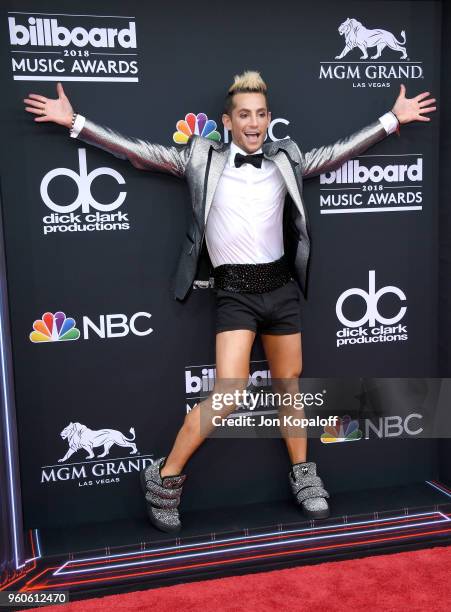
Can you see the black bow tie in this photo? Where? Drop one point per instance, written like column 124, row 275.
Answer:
column 255, row 160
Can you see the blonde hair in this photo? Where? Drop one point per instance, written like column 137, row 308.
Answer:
column 248, row 82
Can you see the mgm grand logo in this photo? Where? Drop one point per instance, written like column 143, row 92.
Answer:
column 354, row 62
column 88, row 470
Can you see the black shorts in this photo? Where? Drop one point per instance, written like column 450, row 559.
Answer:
column 274, row 312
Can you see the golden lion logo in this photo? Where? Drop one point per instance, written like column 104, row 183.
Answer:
column 79, row 436
column 356, row 35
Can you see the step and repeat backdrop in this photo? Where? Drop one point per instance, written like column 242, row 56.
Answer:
column 107, row 363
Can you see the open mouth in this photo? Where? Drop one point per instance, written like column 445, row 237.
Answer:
column 252, row 137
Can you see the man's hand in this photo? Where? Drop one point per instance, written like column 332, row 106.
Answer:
column 58, row 110
column 413, row 109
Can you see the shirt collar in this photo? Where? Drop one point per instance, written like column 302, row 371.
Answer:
column 234, row 149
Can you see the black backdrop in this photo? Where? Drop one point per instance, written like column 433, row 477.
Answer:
column 185, row 57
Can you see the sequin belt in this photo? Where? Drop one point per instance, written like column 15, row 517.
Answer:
column 252, row 278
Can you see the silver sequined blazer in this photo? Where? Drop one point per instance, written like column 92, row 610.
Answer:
column 201, row 163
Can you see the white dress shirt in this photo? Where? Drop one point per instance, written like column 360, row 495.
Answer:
column 244, row 223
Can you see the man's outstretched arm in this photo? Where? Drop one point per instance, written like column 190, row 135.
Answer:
column 141, row 153
column 330, row 157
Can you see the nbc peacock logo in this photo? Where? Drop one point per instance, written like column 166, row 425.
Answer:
column 54, row 328
column 199, row 125
column 346, row 430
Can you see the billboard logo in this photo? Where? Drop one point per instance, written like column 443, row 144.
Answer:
column 199, row 125
column 54, row 328
column 354, row 171
column 200, row 381
column 66, row 47
column 389, row 185
column 364, row 329
column 47, row 33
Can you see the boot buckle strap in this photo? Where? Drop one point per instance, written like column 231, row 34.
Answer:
column 310, row 492
column 306, row 481
column 160, row 491
column 161, row 502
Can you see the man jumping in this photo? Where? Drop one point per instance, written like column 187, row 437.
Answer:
column 247, row 203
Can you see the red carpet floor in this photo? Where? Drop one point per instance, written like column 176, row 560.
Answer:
column 413, row 581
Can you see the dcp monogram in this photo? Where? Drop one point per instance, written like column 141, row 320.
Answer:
column 371, row 298
column 83, row 180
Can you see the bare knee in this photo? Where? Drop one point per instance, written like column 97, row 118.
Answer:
column 294, row 371
column 287, row 380
column 192, row 420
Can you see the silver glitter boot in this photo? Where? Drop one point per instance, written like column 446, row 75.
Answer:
column 162, row 496
column 308, row 490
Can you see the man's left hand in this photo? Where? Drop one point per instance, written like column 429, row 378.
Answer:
column 413, row 109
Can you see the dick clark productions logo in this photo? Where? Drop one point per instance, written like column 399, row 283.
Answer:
column 85, row 213
column 365, row 329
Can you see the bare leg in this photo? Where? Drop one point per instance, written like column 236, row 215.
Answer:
column 284, row 355
column 233, row 351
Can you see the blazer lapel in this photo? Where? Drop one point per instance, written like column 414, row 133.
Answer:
column 217, row 165
column 285, row 164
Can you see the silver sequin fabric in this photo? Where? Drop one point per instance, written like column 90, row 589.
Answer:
column 201, row 163
column 163, row 496
column 308, row 489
